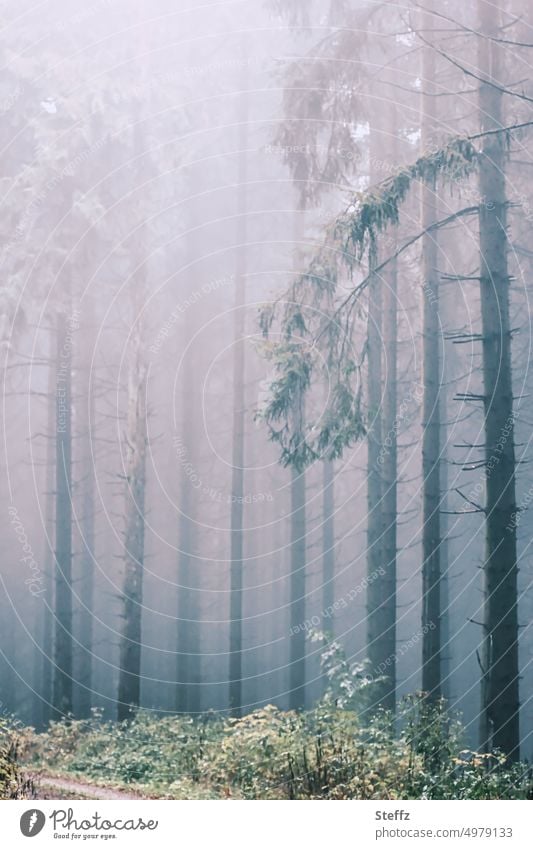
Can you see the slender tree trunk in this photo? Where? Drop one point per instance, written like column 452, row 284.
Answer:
column 188, row 657
column 237, row 475
column 130, row 649
column 86, row 584
column 389, row 473
column 9, row 680
column 449, row 375
column 298, row 553
column 136, row 438
column 445, row 657
column 39, row 611
column 47, row 600
column 62, row 687
column 297, row 646
column 377, row 644
column 188, row 636
column 500, row 688
column 328, row 542
column 328, row 552
column 431, row 534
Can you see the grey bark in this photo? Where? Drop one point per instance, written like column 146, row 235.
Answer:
column 431, row 532
column 328, row 542
column 500, row 686
column 62, row 686
column 132, row 597
column 377, row 647
column 188, row 628
column 237, row 475
column 298, row 552
column 87, row 526
column 389, row 473
column 47, row 599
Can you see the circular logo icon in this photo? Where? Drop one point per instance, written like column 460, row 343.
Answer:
column 32, row 822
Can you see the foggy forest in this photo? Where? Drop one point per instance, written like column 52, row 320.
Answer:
column 265, row 329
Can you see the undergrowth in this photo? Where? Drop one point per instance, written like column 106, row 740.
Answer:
column 341, row 749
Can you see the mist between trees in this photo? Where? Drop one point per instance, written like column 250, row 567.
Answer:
column 265, row 325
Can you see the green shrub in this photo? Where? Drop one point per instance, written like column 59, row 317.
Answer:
column 324, row 753
column 339, row 750
column 12, row 783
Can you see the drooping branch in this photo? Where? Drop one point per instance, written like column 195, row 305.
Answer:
column 316, row 334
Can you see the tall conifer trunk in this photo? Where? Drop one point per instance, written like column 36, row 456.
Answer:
column 389, row 473
column 87, row 522
column 62, row 687
column 188, row 630
column 500, row 685
column 298, row 547
column 129, row 684
column 237, row 474
column 431, row 534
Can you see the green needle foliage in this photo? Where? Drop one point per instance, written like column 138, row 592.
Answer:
column 310, row 330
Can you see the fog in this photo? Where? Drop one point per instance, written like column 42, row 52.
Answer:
column 209, row 469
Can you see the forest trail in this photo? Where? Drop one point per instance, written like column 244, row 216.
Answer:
column 52, row 787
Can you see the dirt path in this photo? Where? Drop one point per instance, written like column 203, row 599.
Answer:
column 51, row 787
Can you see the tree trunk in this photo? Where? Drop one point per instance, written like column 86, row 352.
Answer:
column 298, row 553
column 445, row 655
column 500, row 689
column 328, row 543
column 431, row 535
column 297, row 593
column 62, row 687
column 188, row 629
column 136, row 437
column 129, row 676
column 46, row 644
column 237, row 474
column 188, row 657
column 87, row 525
column 450, row 372
column 377, row 644
column 389, row 473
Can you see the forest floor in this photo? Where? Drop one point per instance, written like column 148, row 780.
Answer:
column 324, row 753
column 48, row 786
